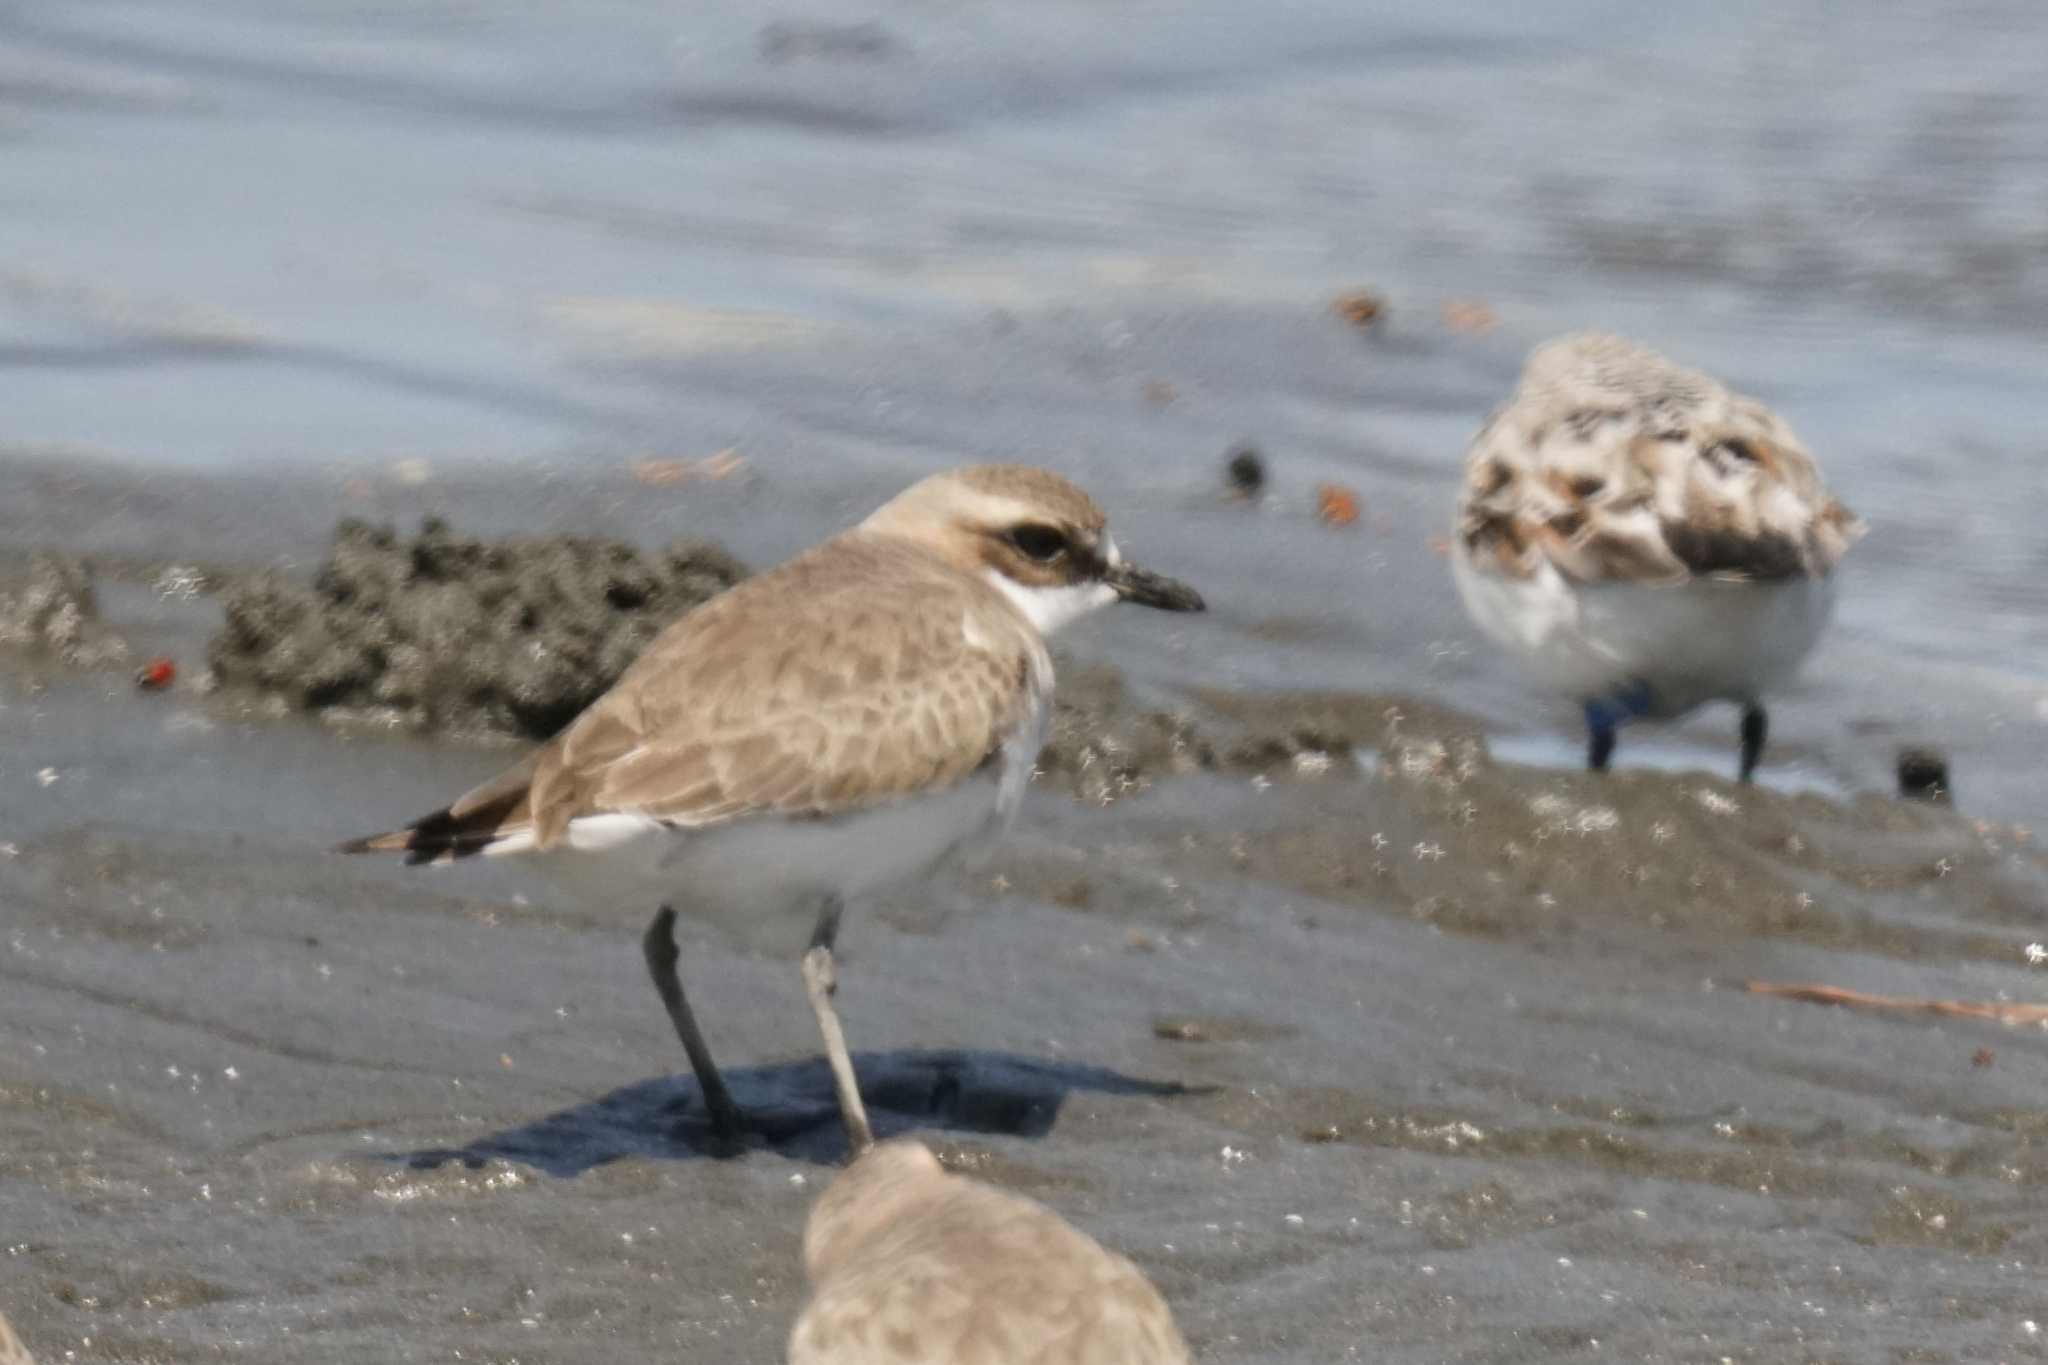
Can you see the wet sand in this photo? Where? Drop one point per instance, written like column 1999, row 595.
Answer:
column 1362, row 1042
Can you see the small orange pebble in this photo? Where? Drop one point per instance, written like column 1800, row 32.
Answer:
column 1472, row 316
column 157, row 674
column 723, row 465
column 1359, row 307
column 1336, row 504
column 663, row 473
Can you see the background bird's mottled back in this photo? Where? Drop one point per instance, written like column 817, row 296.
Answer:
column 1612, row 463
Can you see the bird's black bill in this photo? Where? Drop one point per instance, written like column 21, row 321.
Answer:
column 1133, row 584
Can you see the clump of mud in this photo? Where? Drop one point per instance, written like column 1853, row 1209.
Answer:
column 1101, row 745
column 1104, row 744
column 1444, row 833
column 450, row 633
column 50, row 607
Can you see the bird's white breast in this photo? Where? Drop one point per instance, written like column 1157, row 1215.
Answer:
column 1692, row 642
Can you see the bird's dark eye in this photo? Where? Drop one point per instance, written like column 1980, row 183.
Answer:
column 1042, row 543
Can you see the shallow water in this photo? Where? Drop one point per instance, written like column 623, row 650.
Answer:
column 1472, row 1020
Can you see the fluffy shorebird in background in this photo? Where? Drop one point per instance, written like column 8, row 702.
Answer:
column 910, row 1265
column 1645, row 540
column 833, row 727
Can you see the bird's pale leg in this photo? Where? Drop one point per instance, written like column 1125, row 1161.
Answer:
column 821, row 980
column 660, row 947
column 1756, row 726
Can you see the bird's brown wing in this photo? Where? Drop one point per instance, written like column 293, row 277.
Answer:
column 857, row 673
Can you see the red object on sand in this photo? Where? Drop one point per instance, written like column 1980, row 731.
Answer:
column 157, row 674
column 1336, row 504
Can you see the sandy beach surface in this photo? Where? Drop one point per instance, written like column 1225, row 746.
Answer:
column 1317, row 978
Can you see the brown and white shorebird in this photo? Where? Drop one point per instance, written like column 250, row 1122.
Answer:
column 827, row 729
column 910, row 1265
column 1645, row 540
column 12, row 1352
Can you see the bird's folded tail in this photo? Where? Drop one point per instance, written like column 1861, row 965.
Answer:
column 492, row 818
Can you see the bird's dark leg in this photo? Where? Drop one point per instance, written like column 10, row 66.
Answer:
column 821, row 980
column 1600, row 737
column 1756, row 725
column 660, row 947
column 1599, row 748
column 1605, row 715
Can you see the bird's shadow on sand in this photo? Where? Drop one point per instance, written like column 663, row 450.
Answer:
column 792, row 1110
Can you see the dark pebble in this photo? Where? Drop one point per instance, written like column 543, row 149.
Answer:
column 1247, row 470
column 1923, row 776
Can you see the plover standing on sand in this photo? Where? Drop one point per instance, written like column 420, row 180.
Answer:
column 1644, row 539
column 912, row 1266
column 829, row 728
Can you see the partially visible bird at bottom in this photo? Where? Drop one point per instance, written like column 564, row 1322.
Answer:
column 911, row 1265
column 12, row 1352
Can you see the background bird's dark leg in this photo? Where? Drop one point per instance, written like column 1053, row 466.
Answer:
column 660, row 947
column 1600, row 737
column 821, row 980
column 1756, row 726
column 1605, row 715
column 1600, row 748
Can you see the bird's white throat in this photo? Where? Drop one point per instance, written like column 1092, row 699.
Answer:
column 1051, row 608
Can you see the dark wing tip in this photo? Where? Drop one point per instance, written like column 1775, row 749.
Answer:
column 441, row 836
column 420, row 844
